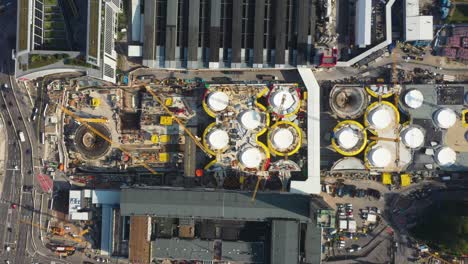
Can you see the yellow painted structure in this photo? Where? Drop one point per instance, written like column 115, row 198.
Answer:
column 337, row 148
column 165, row 120
column 94, row 120
column 366, row 152
column 375, row 104
column 164, row 157
column 386, row 178
column 155, row 139
column 272, row 148
column 405, row 179
column 164, row 138
column 464, row 118
column 95, row 102
column 205, row 144
column 168, row 101
column 374, row 94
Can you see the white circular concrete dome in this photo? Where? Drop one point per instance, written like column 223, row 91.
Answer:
column 217, row 101
column 412, row 137
column 380, row 117
column 414, row 99
column 218, row 139
column 282, row 138
column 251, row 157
column 250, row 119
column 445, row 118
column 347, row 137
column 277, row 99
column 445, row 156
column 379, row 157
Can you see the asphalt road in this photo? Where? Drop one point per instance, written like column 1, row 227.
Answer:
column 15, row 227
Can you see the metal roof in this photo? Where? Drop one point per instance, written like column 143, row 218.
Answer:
column 204, row 250
column 284, row 242
column 210, row 204
column 106, row 230
column 419, row 28
column 363, row 22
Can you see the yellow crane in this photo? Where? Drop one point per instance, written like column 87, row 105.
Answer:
column 95, row 120
column 181, row 124
column 95, row 131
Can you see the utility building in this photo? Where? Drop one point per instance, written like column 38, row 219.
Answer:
column 224, row 33
column 417, row 27
column 363, row 23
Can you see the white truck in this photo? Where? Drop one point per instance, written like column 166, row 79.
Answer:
column 21, row 136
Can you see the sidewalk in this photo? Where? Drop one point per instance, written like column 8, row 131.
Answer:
column 3, row 146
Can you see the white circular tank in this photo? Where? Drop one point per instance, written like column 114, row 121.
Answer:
column 282, row 138
column 380, row 117
column 445, row 156
column 218, row 139
column 379, row 157
column 278, row 97
column 412, row 137
column 445, row 118
column 251, row 157
column 217, row 101
column 414, row 99
column 347, row 137
column 250, row 119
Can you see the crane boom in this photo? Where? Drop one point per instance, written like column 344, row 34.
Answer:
column 384, row 139
column 95, row 120
column 181, row 124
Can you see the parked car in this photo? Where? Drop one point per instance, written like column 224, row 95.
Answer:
column 357, row 247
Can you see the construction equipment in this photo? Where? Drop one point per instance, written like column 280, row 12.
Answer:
column 436, row 257
column 256, row 188
column 181, row 124
column 57, row 231
column 95, row 131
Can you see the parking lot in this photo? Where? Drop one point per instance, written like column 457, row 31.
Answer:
column 361, row 231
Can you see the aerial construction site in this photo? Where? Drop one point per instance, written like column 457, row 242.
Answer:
column 237, row 135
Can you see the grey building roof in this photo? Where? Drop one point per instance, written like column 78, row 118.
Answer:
column 209, row 204
column 313, row 244
column 204, row 250
column 284, row 242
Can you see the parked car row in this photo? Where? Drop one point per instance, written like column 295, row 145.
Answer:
column 341, row 190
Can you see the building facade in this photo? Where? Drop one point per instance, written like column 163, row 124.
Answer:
column 223, row 33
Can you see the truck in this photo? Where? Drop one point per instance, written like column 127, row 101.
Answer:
column 21, row 136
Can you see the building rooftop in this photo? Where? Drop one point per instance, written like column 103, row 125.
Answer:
column 206, row 250
column 419, row 28
column 284, row 242
column 209, row 204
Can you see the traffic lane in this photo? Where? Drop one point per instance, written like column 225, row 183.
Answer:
column 27, row 166
column 25, row 227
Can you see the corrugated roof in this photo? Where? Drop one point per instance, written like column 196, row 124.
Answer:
column 284, row 242
column 209, row 204
column 204, row 250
